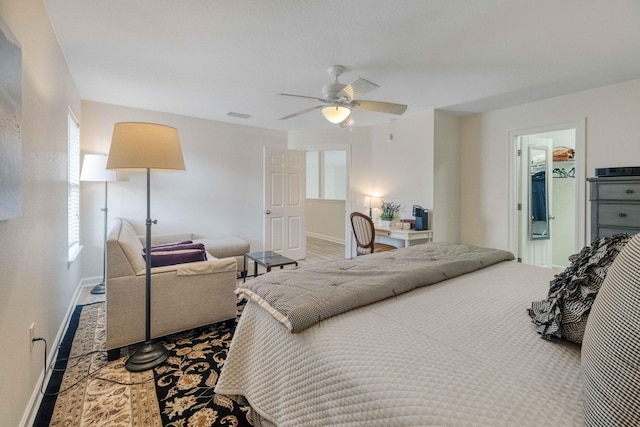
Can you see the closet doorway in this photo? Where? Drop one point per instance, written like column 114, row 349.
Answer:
column 548, row 186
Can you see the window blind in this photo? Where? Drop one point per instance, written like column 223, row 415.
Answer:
column 74, row 185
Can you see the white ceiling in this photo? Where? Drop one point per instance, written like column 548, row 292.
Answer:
column 205, row 58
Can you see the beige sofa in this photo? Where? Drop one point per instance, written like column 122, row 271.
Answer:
column 183, row 296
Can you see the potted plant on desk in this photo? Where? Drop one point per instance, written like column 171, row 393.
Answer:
column 389, row 212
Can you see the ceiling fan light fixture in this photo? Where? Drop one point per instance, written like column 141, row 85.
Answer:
column 335, row 113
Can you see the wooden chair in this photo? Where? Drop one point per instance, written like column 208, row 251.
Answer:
column 365, row 234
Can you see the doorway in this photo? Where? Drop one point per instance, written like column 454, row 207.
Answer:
column 548, row 190
column 327, row 194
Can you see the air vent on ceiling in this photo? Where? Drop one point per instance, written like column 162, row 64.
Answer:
column 238, row 115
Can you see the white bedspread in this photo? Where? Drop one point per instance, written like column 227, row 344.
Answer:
column 457, row 353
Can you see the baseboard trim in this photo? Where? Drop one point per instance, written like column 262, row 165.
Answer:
column 87, row 281
column 324, row 237
column 30, row 412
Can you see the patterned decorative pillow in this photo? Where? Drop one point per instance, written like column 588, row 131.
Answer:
column 565, row 312
column 611, row 346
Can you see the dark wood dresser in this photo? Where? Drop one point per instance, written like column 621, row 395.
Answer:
column 615, row 205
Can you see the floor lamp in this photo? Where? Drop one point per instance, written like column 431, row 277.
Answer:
column 94, row 169
column 146, row 147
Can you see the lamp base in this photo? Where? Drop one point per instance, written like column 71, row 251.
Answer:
column 145, row 357
column 99, row 289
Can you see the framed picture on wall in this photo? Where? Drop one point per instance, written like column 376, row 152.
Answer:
column 10, row 121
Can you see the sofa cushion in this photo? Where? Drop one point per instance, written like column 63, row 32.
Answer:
column 225, row 247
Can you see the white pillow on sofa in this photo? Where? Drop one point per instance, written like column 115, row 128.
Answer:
column 611, row 345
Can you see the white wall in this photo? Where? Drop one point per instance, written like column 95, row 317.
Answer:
column 36, row 283
column 220, row 194
column 445, row 219
column 325, row 219
column 612, row 129
column 402, row 165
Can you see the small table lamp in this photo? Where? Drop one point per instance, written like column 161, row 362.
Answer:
column 94, row 169
column 146, row 147
column 371, row 202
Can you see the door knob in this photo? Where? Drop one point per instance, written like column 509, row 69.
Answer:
column 552, row 217
column 267, row 212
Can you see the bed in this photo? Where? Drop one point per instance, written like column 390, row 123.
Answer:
column 456, row 352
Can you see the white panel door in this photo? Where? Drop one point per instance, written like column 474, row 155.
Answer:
column 536, row 218
column 284, row 196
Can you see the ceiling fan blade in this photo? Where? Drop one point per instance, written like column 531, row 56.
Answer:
column 302, row 96
column 348, row 122
column 380, row 107
column 301, row 112
column 357, row 88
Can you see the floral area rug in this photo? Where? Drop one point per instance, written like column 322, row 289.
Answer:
column 86, row 390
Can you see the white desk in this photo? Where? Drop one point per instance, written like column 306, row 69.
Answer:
column 407, row 236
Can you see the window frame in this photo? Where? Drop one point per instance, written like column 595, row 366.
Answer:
column 321, row 171
column 73, row 186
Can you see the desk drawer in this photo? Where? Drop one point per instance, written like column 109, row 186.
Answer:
column 619, row 214
column 618, row 191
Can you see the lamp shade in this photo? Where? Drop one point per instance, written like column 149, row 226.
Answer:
column 335, row 113
column 372, row 201
column 94, row 168
column 145, row 146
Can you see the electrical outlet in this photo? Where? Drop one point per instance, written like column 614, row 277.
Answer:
column 32, row 335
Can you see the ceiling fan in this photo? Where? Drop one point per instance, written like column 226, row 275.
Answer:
column 339, row 99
